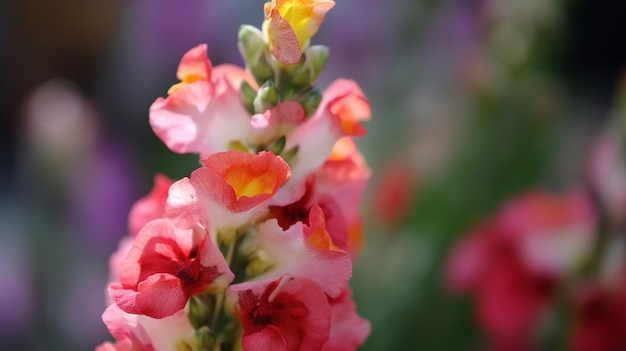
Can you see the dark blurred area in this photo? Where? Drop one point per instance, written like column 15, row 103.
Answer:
column 78, row 78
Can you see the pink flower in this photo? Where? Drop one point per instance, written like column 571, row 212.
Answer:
column 138, row 332
column 337, row 187
column 165, row 266
column 305, row 251
column 289, row 313
column 204, row 113
column 345, row 99
column 348, row 331
column 150, row 207
column 514, row 263
column 290, row 24
column 342, row 107
column 226, row 191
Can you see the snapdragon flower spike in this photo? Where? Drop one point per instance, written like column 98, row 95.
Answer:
column 225, row 193
column 290, row 24
column 204, row 112
column 286, row 314
column 150, row 207
column 139, row 332
column 305, row 251
column 165, row 266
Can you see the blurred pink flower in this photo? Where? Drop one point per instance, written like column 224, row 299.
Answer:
column 393, row 193
column 515, row 262
column 607, row 173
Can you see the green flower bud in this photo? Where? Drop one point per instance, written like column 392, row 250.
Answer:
column 198, row 313
column 204, row 339
column 247, row 95
column 266, row 97
column 310, row 101
column 306, row 72
column 290, row 155
column 315, row 59
column 183, row 346
column 237, row 145
column 277, row 146
column 255, row 51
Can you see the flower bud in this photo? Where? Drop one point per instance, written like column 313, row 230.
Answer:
column 277, row 146
column 198, row 313
column 204, row 339
column 248, row 94
column 315, row 59
column 253, row 48
column 257, row 267
column 307, row 70
column 266, row 97
column 237, row 145
column 290, row 154
column 310, row 101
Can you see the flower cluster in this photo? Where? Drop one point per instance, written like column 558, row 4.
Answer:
column 254, row 250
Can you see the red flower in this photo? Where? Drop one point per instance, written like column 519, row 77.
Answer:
column 287, row 314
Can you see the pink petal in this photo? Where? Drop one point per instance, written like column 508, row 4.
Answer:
column 315, row 140
column 181, row 121
column 196, row 63
column 348, row 330
column 160, row 295
column 283, row 41
column 331, row 269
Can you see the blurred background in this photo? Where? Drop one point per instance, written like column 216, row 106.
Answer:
column 474, row 103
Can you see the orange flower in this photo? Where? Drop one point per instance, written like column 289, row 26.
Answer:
column 291, row 23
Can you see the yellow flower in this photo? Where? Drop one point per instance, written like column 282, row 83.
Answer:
column 290, row 24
